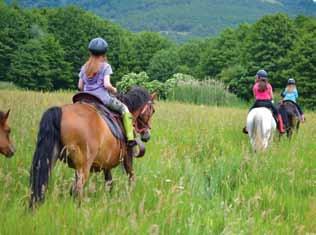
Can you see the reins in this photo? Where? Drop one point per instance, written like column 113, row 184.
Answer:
column 139, row 120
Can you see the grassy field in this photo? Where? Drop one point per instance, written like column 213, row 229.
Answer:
column 199, row 177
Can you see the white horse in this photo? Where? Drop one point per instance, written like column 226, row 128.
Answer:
column 261, row 126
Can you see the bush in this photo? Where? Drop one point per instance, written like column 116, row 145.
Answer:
column 141, row 79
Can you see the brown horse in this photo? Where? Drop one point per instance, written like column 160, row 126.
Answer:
column 290, row 116
column 78, row 135
column 6, row 146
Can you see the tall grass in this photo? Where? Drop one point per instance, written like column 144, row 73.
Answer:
column 199, row 176
column 207, row 92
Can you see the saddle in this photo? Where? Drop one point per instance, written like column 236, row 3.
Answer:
column 265, row 104
column 112, row 119
column 293, row 105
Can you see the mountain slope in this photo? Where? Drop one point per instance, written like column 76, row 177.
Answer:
column 183, row 19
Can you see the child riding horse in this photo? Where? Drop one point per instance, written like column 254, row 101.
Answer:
column 78, row 135
column 94, row 78
column 290, row 94
column 262, row 91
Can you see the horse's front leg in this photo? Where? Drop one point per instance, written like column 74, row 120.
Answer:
column 128, row 166
column 108, row 179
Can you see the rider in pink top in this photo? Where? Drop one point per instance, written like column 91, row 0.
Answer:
column 262, row 95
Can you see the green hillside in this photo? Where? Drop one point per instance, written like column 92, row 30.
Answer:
column 183, row 19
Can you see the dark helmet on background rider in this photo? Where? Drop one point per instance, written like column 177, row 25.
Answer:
column 98, row 46
column 262, row 74
column 291, row 81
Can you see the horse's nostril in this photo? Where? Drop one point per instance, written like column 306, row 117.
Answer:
column 145, row 137
column 10, row 152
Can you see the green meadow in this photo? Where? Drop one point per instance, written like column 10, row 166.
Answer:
column 199, row 176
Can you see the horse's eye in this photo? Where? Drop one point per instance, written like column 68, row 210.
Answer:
column 9, row 131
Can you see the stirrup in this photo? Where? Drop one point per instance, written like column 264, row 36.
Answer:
column 131, row 143
column 131, row 148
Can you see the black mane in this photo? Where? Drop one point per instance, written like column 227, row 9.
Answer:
column 135, row 98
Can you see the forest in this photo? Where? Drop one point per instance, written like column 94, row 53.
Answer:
column 44, row 49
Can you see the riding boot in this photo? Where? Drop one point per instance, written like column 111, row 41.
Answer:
column 129, row 129
column 280, row 124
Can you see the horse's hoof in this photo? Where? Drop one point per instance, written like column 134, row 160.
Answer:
column 109, row 186
column 244, row 130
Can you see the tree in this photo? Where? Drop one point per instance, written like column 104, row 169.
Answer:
column 222, row 52
column 269, row 42
column 303, row 60
column 74, row 28
column 163, row 65
column 190, row 55
column 15, row 24
column 146, row 45
column 40, row 65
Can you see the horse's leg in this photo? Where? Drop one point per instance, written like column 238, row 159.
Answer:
column 82, row 171
column 128, row 166
column 81, row 177
column 108, row 180
column 297, row 126
column 289, row 133
column 291, row 128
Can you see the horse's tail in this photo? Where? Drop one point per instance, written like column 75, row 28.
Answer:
column 46, row 153
column 257, row 133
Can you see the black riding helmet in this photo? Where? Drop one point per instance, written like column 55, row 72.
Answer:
column 291, row 81
column 98, row 46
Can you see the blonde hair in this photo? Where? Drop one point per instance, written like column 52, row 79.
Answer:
column 290, row 87
column 93, row 64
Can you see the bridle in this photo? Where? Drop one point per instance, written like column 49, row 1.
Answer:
column 139, row 123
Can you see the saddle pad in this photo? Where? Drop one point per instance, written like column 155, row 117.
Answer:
column 291, row 103
column 113, row 120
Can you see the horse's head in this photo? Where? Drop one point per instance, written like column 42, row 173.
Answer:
column 141, row 105
column 6, row 147
column 143, row 121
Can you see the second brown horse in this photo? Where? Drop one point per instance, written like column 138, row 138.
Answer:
column 77, row 134
column 6, row 146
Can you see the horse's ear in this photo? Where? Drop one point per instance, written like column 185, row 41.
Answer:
column 7, row 115
column 154, row 96
column 5, row 118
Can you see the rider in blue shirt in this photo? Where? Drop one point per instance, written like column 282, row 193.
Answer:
column 290, row 93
